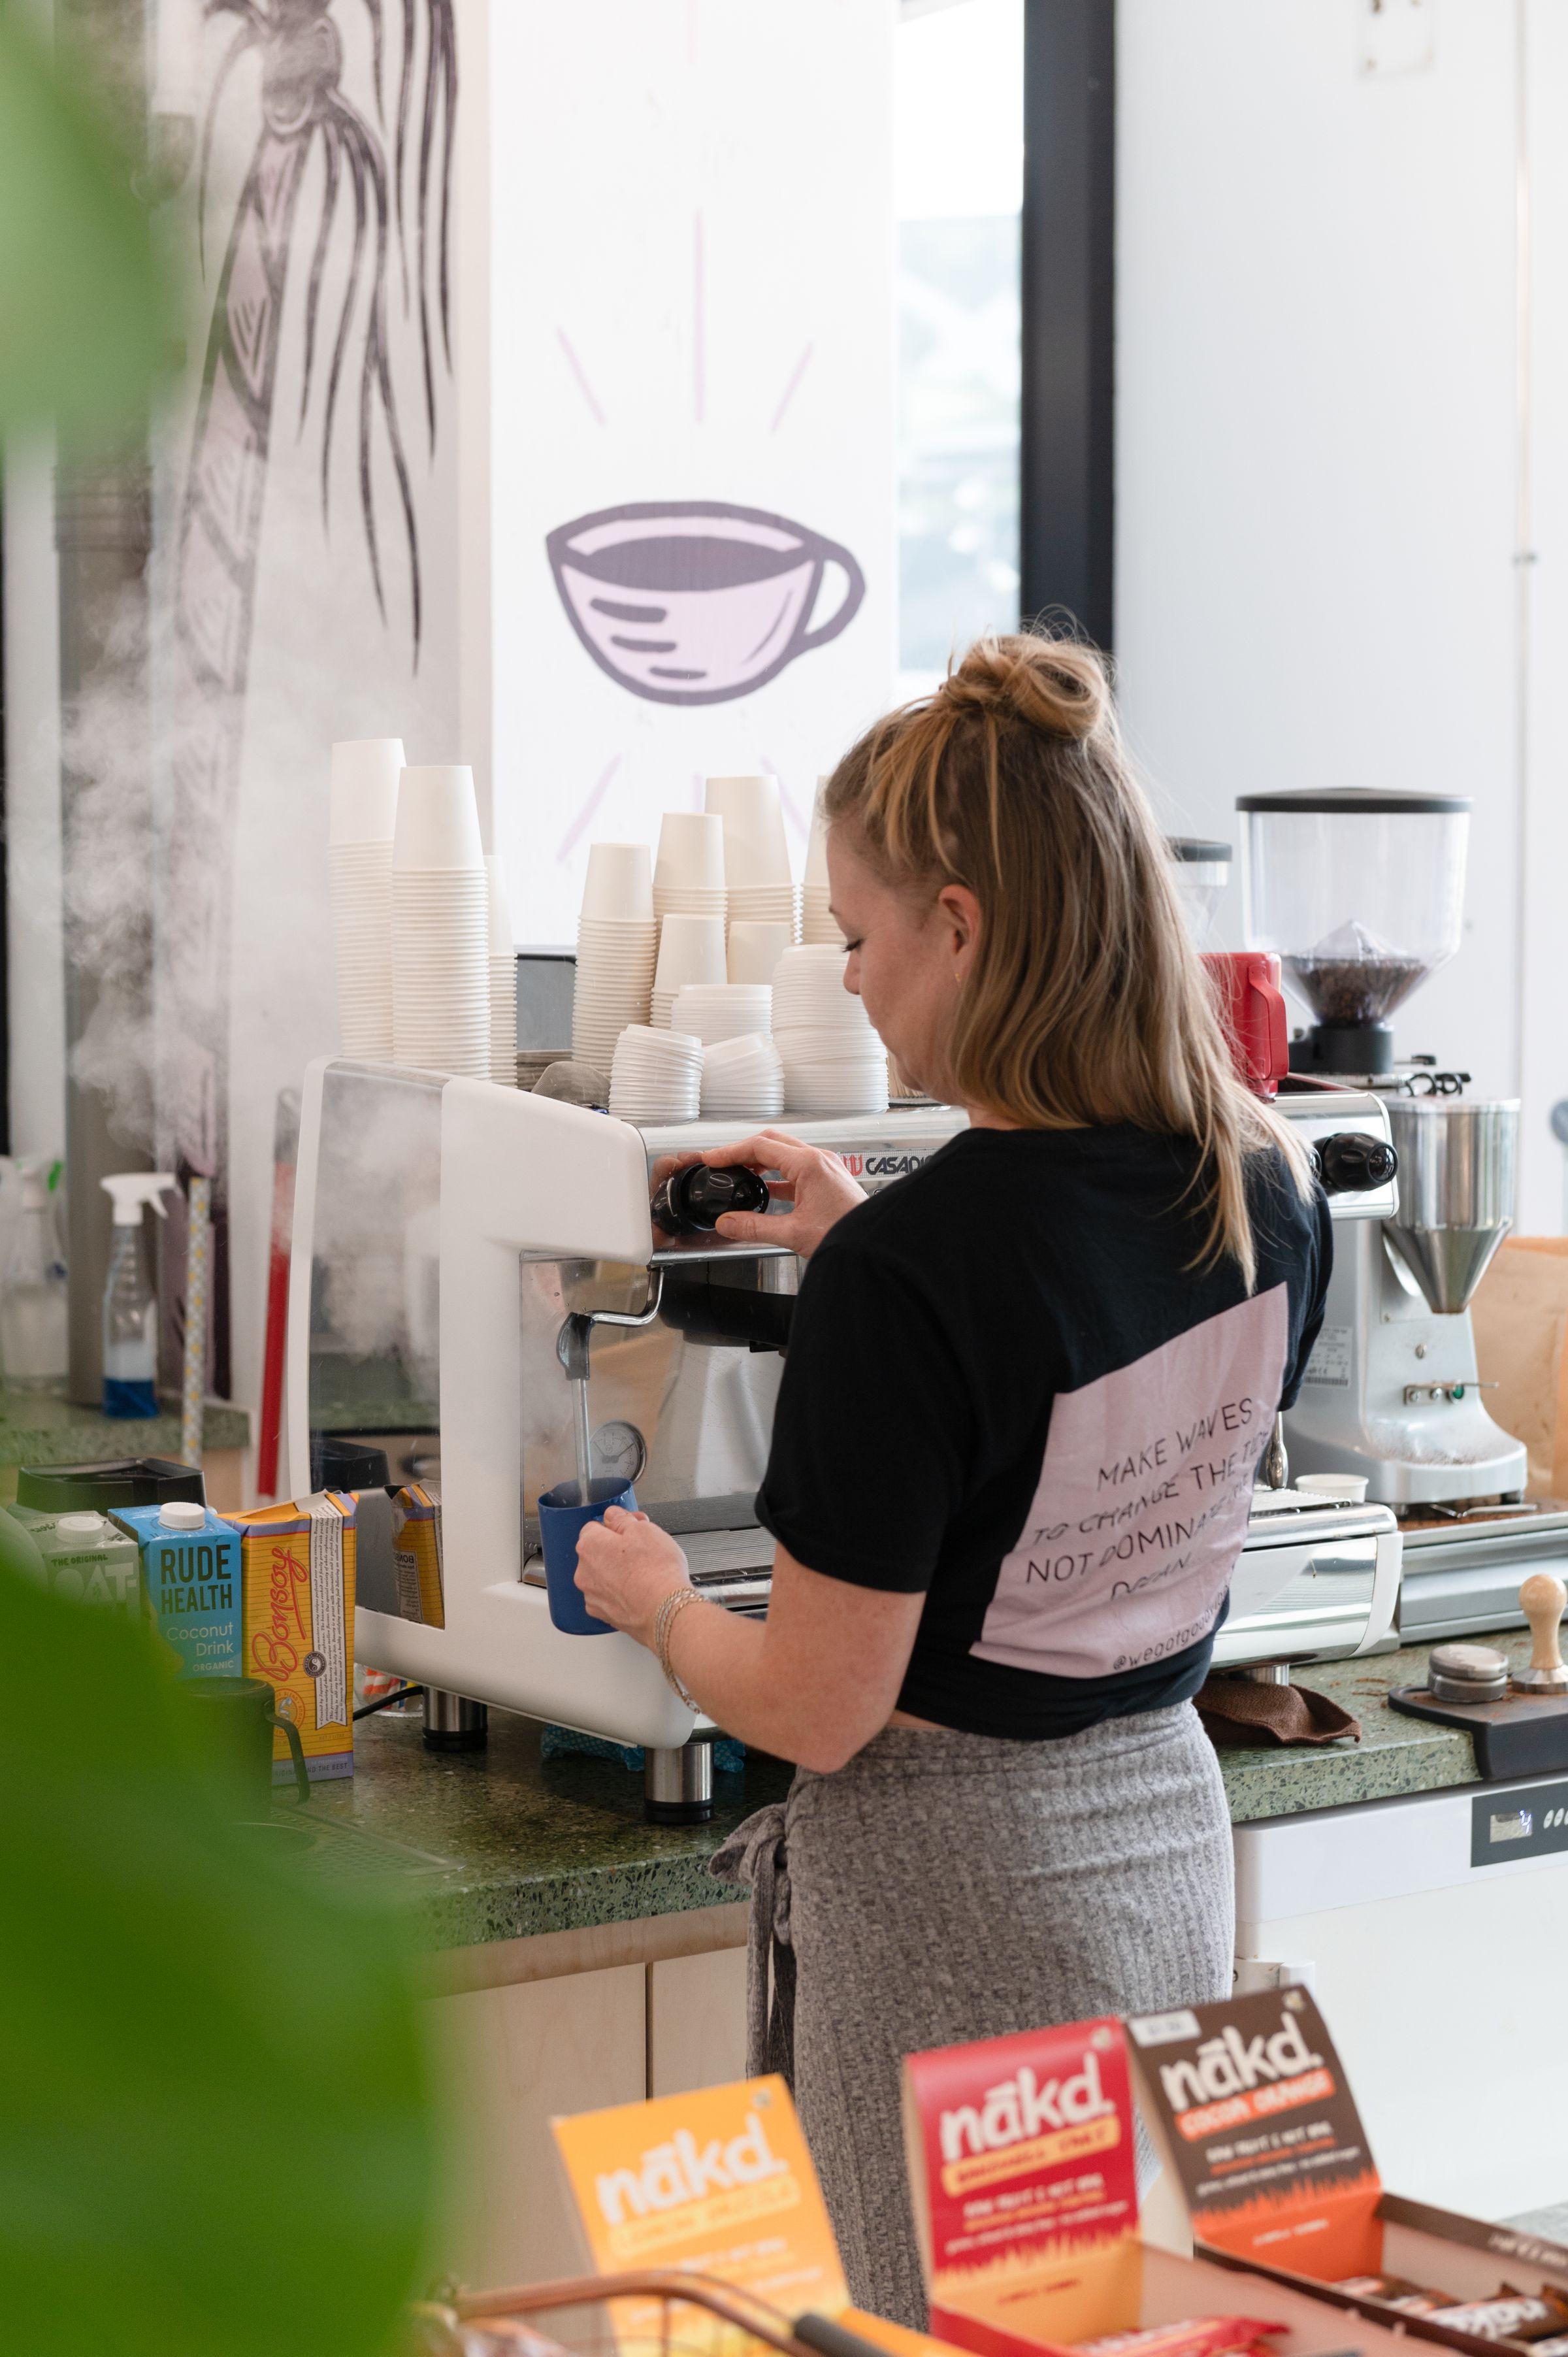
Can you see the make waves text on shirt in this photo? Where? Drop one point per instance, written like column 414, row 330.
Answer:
column 1143, row 1501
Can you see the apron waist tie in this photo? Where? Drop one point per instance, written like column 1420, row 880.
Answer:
column 756, row 1855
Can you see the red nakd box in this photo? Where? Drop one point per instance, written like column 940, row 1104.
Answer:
column 1265, row 2147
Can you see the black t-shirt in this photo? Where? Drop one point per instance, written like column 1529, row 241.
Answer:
column 1008, row 1386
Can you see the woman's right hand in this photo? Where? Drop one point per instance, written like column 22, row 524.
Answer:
column 816, row 1185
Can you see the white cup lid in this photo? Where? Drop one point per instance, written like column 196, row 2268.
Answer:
column 182, row 1515
column 80, row 1527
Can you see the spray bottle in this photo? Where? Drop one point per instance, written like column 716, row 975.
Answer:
column 33, row 1321
column 130, row 1302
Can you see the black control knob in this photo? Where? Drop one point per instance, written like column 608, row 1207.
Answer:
column 1351, row 1162
column 694, row 1200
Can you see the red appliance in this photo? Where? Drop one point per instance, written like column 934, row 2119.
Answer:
column 1251, row 1006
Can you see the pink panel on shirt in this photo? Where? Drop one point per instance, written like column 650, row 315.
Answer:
column 1143, row 1501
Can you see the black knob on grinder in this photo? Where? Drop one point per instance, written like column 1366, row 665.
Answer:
column 694, row 1200
column 1351, row 1162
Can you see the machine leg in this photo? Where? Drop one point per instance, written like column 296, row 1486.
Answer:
column 678, row 1784
column 453, row 1723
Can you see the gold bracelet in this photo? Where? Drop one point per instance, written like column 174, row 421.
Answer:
column 670, row 1610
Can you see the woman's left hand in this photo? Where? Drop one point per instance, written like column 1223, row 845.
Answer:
column 626, row 1568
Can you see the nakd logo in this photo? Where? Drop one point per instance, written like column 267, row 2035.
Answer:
column 669, row 2175
column 1232, row 2080
column 1019, row 2109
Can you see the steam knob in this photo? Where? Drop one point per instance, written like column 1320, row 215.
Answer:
column 1542, row 1599
column 1351, row 1162
column 695, row 1199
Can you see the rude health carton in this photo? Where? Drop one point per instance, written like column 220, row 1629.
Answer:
column 190, row 1576
column 299, row 1563
column 86, row 1558
column 416, row 1554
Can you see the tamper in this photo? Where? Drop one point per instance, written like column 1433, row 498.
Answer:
column 1542, row 1599
column 1467, row 1674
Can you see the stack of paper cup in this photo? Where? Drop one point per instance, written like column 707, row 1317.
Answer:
column 656, row 1075
column 688, row 872
column 691, row 949
column 723, row 1010
column 743, row 1079
column 441, row 925
column 816, row 920
column 503, row 980
column 756, row 858
column 617, row 939
column 359, row 876
column 755, row 948
column 834, row 1060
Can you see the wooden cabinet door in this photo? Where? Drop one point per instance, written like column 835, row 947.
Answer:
column 696, row 2021
column 507, row 2059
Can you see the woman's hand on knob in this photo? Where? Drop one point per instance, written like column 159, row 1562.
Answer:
column 813, row 1182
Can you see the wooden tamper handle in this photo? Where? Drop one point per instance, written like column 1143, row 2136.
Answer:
column 1542, row 1599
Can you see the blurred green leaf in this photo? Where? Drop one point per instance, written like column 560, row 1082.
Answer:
column 87, row 316
column 213, row 2131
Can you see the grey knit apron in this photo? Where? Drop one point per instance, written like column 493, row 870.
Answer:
column 947, row 1887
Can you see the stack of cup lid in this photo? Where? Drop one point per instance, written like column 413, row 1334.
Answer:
column 757, row 875
column 723, row 1010
column 689, row 871
column 503, row 979
column 743, row 1079
column 617, row 939
column 817, row 922
column 834, row 1060
column 656, row 1075
column 756, row 947
column 691, row 949
column 358, row 874
column 441, row 925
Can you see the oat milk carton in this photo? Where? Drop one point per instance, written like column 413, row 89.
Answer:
column 299, row 1562
column 416, row 1554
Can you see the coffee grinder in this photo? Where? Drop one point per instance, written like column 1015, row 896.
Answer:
column 1360, row 894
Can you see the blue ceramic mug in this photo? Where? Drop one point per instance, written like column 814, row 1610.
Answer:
column 562, row 1515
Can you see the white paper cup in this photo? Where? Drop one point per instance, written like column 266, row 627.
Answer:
column 691, row 949
column 756, row 947
column 691, row 852
column 755, row 851
column 816, row 868
column 620, row 883
column 365, row 772
column 438, row 819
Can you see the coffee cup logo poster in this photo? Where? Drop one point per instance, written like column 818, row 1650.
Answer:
column 693, row 568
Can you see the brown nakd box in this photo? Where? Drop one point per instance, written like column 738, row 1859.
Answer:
column 1274, row 2180
column 1022, row 2183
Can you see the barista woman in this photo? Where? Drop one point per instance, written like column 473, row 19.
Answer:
column 1025, row 1395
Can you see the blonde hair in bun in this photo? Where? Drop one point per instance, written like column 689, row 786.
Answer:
column 1087, row 1003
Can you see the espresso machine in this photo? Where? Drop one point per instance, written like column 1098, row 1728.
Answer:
column 479, row 1288
column 1360, row 894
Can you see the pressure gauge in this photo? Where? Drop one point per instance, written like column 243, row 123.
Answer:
column 619, row 1448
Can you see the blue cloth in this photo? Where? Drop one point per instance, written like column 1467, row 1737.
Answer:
column 560, row 1742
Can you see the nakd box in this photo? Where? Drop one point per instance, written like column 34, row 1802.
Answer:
column 298, row 1575
column 716, row 2183
column 1023, row 2179
column 1259, row 2129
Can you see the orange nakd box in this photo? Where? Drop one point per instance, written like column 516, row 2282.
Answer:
column 299, row 1574
column 716, row 2183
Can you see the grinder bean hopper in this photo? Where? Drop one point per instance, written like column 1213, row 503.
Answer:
column 1360, row 894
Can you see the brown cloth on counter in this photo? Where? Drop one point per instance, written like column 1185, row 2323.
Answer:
column 1242, row 1711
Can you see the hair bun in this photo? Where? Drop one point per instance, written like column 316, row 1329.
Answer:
column 1055, row 684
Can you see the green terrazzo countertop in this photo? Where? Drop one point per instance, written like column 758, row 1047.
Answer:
column 500, row 1844
column 38, row 1429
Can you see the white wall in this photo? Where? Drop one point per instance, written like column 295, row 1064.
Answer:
column 1317, row 451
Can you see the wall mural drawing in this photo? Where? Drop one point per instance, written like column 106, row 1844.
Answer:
column 386, row 198
column 694, row 601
